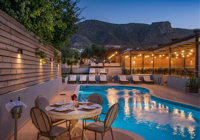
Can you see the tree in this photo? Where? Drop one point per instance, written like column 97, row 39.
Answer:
column 94, row 51
column 69, row 52
column 71, row 62
column 54, row 21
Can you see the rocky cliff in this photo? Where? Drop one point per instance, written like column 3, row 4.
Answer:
column 129, row 35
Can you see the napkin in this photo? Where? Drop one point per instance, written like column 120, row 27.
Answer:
column 10, row 105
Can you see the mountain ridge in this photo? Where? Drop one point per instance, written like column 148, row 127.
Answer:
column 135, row 35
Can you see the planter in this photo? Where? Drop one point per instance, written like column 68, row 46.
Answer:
column 191, row 89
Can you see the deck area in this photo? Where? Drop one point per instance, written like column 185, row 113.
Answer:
column 28, row 131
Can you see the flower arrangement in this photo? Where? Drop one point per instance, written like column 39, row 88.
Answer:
column 73, row 97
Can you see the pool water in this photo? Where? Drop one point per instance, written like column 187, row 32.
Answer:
column 151, row 118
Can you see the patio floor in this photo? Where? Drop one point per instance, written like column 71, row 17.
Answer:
column 28, row 131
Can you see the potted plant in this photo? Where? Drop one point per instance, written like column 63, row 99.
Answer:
column 192, row 85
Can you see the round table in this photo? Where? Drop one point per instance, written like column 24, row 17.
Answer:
column 74, row 116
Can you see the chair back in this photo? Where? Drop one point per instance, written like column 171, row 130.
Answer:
column 93, row 64
column 73, row 77
column 91, row 77
column 136, row 78
column 102, row 71
column 103, row 78
column 92, row 70
column 100, row 64
column 147, row 78
column 41, row 120
column 83, row 77
column 41, row 102
column 111, row 115
column 123, row 78
column 95, row 98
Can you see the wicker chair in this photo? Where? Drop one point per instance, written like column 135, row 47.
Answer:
column 43, row 123
column 97, row 99
column 42, row 102
column 98, row 127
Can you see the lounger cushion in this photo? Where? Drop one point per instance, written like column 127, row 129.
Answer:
column 96, row 126
column 72, row 78
column 136, row 78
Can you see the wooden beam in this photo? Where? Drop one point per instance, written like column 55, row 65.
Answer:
column 169, row 61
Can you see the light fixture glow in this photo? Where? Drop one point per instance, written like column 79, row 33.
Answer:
column 191, row 50
column 182, row 50
column 175, row 52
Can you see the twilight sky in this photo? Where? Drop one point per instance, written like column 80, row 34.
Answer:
column 181, row 13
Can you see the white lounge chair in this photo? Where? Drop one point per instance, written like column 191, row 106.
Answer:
column 92, row 71
column 123, row 80
column 136, row 79
column 103, row 79
column 106, row 64
column 92, row 79
column 112, row 64
column 103, row 71
column 93, row 65
column 72, row 79
column 100, row 65
column 117, row 64
column 83, row 79
column 147, row 80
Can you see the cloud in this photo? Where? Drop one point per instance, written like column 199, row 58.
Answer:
column 106, row 19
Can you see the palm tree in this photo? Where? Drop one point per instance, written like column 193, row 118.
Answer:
column 71, row 62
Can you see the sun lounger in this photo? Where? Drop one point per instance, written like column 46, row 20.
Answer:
column 83, row 79
column 112, row 64
column 106, row 64
column 100, row 65
column 92, row 79
column 92, row 71
column 72, row 79
column 103, row 79
column 123, row 80
column 103, row 71
column 147, row 80
column 117, row 64
column 136, row 79
column 93, row 65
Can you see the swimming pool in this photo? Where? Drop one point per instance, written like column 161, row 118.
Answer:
column 151, row 118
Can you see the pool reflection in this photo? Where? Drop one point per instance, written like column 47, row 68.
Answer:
column 144, row 110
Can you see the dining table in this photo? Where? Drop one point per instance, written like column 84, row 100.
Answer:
column 74, row 114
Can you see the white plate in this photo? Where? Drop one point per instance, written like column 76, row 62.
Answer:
column 61, row 109
column 89, row 107
column 96, row 105
column 58, row 103
column 84, row 102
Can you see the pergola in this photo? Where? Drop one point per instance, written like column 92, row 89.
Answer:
column 179, row 57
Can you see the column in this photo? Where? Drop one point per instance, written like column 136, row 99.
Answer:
column 169, row 72
column 142, row 63
column 153, row 62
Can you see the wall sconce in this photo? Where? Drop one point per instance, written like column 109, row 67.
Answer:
column 20, row 51
column 51, row 59
column 134, row 61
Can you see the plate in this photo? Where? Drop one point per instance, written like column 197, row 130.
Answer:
column 89, row 107
column 84, row 102
column 61, row 109
column 58, row 103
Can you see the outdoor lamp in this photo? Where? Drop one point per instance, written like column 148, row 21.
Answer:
column 20, row 51
column 51, row 59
